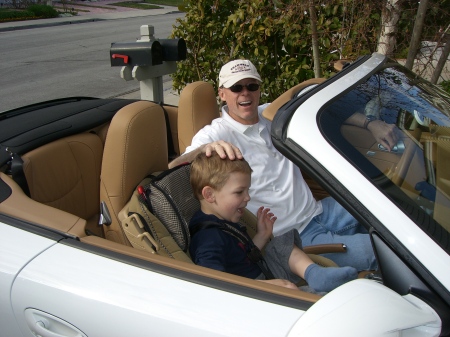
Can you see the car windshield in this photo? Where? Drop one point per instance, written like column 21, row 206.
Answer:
column 415, row 174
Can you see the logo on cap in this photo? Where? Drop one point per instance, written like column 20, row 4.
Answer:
column 241, row 67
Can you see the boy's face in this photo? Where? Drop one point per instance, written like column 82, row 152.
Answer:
column 231, row 200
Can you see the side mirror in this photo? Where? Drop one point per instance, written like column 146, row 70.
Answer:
column 367, row 308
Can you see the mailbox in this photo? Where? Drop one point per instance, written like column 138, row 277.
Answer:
column 148, row 53
column 173, row 49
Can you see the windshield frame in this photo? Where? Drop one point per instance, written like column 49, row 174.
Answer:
column 428, row 106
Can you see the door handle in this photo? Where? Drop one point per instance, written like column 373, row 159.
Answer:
column 43, row 324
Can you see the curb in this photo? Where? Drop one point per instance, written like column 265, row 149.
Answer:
column 48, row 24
column 20, row 25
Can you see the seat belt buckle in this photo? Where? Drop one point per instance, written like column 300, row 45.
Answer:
column 135, row 231
column 255, row 255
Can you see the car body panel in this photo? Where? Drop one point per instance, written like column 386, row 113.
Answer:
column 405, row 316
column 123, row 298
column 14, row 257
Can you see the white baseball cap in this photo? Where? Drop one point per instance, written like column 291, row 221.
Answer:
column 236, row 70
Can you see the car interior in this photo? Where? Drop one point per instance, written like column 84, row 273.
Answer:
column 67, row 179
column 81, row 184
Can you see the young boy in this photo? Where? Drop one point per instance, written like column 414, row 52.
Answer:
column 222, row 187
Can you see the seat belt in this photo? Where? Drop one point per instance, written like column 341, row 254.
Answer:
column 171, row 149
column 253, row 255
column 17, row 173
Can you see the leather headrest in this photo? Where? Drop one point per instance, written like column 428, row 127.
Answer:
column 197, row 107
column 271, row 110
column 135, row 146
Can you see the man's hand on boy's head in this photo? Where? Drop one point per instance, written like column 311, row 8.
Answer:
column 223, row 149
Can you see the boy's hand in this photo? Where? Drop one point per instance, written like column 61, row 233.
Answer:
column 281, row 283
column 264, row 229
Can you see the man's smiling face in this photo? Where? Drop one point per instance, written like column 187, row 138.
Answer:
column 243, row 105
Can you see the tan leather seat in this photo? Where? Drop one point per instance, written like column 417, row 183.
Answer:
column 135, row 147
column 65, row 174
column 197, row 107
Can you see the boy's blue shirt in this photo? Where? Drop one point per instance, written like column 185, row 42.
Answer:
column 213, row 248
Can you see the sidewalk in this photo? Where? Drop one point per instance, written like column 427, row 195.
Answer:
column 94, row 14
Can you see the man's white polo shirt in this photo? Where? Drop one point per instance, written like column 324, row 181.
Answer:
column 276, row 182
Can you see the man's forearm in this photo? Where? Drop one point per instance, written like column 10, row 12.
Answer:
column 224, row 149
column 357, row 119
column 385, row 134
column 185, row 158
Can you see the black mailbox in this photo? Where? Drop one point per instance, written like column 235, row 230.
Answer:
column 148, row 53
column 173, row 49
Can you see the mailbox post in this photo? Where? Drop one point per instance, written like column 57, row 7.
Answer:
column 148, row 60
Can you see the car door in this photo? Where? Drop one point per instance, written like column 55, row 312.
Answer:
column 17, row 248
column 67, row 288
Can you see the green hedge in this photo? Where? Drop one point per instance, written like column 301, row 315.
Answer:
column 43, row 11
column 31, row 12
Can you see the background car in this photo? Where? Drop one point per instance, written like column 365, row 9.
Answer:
column 62, row 274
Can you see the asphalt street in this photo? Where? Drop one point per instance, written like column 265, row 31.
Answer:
column 99, row 11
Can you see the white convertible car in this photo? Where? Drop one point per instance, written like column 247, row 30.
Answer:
column 62, row 274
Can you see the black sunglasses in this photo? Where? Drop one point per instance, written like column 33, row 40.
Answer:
column 239, row 87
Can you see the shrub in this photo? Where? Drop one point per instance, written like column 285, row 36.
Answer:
column 43, row 11
column 277, row 36
column 445, row 85
column 274, row 35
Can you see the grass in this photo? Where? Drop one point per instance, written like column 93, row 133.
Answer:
column 7, row 14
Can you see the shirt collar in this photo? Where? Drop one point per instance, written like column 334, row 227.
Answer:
column 245, row 129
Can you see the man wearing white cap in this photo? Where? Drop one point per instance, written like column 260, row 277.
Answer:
column 276, row 183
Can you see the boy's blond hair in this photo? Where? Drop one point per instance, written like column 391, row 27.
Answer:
column 214, row 172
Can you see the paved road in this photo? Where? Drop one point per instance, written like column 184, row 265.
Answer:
column 58, row 58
